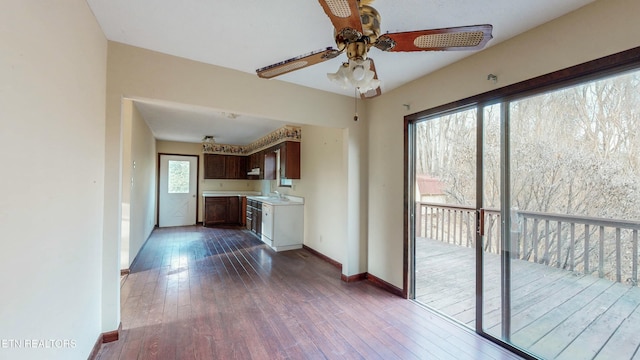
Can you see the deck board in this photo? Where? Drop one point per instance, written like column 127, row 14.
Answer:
column 556, row 314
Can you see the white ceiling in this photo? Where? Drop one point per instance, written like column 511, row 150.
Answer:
column 251, row 34
column 189, row 123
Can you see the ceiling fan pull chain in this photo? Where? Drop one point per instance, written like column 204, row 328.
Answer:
column 355, row 99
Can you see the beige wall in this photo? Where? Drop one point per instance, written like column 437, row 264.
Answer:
column 52, row 103
column 125, row 205
column 322, row 184
column 597, row 30
column 142, row 169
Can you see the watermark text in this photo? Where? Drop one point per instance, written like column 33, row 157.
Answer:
column 37, row 344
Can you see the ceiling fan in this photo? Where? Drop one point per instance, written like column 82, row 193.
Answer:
column 357, row 29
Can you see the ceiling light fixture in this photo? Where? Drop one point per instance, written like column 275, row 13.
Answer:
column 208, row 143
column 356, row 73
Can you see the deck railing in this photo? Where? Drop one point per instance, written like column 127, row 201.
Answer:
column 607, row 248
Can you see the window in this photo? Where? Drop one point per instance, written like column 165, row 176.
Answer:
column 178, row 181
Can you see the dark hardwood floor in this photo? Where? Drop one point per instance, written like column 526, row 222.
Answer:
column 213, row 293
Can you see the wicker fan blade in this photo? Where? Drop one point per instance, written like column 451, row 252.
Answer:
column 344, row 14
column 372, row 93
column 455, row 38
column 297, row 63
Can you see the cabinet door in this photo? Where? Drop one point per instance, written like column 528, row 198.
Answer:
column 242, row 212
column 254, row 160
column 260, row 162
column 243, row 167
column 215, row 210
column 235, row 167
column 231, row 167
column 214, row 166
column 269, row 165
column 252, row 163
column 290, row 160
column 233, row 210
column 259, row 220
column 256, row 219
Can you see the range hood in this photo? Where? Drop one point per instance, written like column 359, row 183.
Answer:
column 254, row 171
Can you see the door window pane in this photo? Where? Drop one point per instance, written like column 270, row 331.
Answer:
column 575, row 207
column 178, row 181
column 445, row 165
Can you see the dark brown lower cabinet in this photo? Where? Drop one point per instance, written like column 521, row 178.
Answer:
column 257, row 221
column 254, row 216
column 222, row 210
column 233, row 211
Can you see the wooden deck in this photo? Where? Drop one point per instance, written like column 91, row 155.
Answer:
column 556, row 314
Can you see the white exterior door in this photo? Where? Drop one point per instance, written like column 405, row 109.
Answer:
column 178, row 190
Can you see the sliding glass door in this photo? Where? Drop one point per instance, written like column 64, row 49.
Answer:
column 573, row 200
column 527, row 213
column 445, row 197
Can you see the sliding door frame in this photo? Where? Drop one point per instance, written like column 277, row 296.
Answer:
column 595, row 69
column 479, row 205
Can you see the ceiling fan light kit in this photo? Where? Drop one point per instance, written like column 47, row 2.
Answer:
column 356, row 73
column 357, row 29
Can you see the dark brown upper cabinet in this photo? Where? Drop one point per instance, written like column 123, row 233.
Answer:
column 290, row 160
column 269, row 165
column 236, row 167
column 214, row 166
column 218, row 166
column 225, row 166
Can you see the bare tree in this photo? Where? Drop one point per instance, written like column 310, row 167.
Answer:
column 573, row 151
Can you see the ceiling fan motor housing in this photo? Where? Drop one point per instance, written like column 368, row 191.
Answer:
column 357, row 50
column 356, row 43
column 370, row 19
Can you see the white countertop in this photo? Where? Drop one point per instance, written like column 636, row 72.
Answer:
column 287, row 200
column 255, row 195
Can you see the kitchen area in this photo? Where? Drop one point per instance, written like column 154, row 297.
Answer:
column 275, row 218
